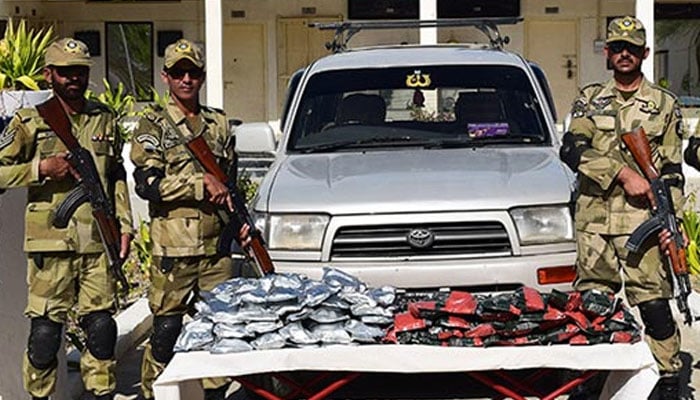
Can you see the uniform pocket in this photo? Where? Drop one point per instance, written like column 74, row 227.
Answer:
column 177, row 232
column 47, row 143
column 604, row 122
column 103, row 148
column 653, row 128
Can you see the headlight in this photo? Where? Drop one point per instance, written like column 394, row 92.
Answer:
column 542, row 225
column 296, row 231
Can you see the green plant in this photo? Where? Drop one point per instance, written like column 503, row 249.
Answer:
column 691, row 227
column 143, row 247
column 247, row 186
column 22, row 56
column 118, row 100
column 160, row 100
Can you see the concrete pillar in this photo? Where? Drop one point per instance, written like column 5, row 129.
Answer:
column 13, row 293
column 428, row 11
column 214, row 49
column 644, row 10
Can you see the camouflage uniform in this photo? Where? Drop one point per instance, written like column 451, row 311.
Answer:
column 605, row 216
column 185, row 226
column 65, row 265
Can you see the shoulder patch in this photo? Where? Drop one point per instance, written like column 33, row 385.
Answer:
column 579, row 107
column 7, row 137
column 149, row 142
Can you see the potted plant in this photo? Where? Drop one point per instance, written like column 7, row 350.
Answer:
column 22, row 53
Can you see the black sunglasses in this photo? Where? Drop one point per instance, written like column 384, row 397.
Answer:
column 72, row 70
column 620, row 46
column 179, row 73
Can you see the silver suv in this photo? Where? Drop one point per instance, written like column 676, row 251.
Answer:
column 421, row 167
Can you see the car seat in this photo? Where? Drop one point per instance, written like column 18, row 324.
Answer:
column 360, row 108
column 480, row 109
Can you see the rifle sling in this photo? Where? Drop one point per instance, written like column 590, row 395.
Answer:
column 55, row 116
column 223, row 216
column 184, row 138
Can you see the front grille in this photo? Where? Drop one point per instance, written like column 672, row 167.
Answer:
column 482, row 238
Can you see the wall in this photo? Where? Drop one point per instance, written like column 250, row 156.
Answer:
column 592, row 18
column 267, row 12
column 188, row 15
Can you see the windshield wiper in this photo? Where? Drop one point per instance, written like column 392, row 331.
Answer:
column 369, row 142
column 484, row 141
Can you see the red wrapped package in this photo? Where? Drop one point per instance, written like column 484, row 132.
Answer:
column 533, row 299
column 422, row 309
column 481, row 330
column 405, row 322
column 461, row 303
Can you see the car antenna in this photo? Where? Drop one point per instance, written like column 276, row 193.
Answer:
column 345, row 30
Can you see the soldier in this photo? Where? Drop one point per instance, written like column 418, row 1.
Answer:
column 67, row 265
column 614, row 197
column 183, row 204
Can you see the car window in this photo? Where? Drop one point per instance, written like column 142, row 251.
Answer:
column 544, row 84
column 289, row 95
column 428, row 106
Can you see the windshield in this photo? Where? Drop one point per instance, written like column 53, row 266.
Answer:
column 433, row 107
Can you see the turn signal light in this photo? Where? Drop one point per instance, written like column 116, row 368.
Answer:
column 551, row 275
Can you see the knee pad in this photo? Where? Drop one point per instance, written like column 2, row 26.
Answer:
column 44, row 342
column 166, row 329
column 658, row 319
column 101, row 331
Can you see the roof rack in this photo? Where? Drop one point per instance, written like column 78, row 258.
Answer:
column 344, row 30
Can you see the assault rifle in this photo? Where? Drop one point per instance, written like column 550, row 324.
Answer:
column 240, row 216
column 89, row 189
column 663, row 217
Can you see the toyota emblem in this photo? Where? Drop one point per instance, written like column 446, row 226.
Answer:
column 420, row 238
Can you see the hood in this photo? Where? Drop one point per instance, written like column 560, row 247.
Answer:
column 419, row 181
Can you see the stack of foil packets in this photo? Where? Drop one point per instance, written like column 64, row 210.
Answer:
column 288, row 310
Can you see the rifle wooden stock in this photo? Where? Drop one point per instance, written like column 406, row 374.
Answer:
column 201, row 151
column 102, row 211
column 638, row 144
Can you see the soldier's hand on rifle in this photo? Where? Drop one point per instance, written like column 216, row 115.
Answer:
column 246, row 240
column 217, row 192
column 57, row 168
column 244, row 235
column 125, row 245
column 665, row 239
column 635, row 185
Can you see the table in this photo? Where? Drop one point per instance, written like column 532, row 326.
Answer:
column 633, row 372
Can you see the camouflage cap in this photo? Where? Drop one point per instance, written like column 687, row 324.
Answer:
column 183, row 49
column 67, row 51
column 628, row 29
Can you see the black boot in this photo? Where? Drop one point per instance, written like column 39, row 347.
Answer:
column 39, row 398
column 216, row 394
column 108, row 396
column 667, row 388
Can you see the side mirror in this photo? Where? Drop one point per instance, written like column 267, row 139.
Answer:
column 255, row 137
